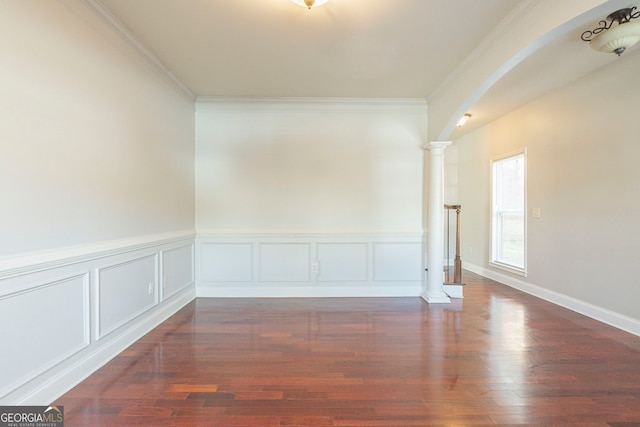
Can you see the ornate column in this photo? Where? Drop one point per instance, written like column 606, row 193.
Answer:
column 435, row 233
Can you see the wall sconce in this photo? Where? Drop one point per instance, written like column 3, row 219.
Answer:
column 619, row 38
column 309, row 3
column 463, row 120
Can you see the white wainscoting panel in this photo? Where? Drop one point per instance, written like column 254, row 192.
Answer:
column 284, row 262
column 342, row 262
column 71, row 310
column 299, row 264
column 40, row 327
column 125, row 291
column 177, row 270
column 397, row 262
column 226, row 262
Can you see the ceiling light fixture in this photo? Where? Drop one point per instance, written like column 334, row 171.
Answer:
column 309, row 3
column 463, row 120
column 616, row 40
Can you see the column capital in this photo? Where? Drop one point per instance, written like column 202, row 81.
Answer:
column 435, row 144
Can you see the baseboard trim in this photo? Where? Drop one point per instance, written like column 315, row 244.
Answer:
column 218, row 291
column 595, row 312
column 67, row 378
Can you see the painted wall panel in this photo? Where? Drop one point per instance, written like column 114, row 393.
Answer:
column 284, row 262
column 309, row 166
column 342, row 262
column 40, row 327
column 397, row 261
column 284, row 265
column 177, row 270
column 67, row 321
column 226, row 262
column 123, row 292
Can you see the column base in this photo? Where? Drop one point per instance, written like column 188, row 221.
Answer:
column 454, row 290
column 439, row 299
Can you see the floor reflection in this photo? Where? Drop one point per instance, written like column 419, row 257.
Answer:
column 508, row 342
column 495, row 357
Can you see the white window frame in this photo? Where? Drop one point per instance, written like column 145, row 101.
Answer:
column 494, row 228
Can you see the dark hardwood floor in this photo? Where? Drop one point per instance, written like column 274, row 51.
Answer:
column 496, row 357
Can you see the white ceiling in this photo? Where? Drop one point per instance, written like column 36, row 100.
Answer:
column 343, row 49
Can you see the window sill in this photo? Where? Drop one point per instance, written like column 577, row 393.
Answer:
column 505, row 267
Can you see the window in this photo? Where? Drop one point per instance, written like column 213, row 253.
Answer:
column 508, row 221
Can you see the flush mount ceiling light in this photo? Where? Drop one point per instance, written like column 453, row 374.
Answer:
column 609, row 39
column 310, row 3
column 463, row 120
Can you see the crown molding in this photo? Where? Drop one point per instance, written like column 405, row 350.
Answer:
column 101, row 11
column 326, row 105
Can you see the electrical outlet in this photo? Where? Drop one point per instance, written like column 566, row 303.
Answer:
column 315, row 268
column 150, row 288
column 535, row 212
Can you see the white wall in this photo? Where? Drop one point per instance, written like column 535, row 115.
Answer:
column 347, row 170
column 282, row 165
column 96, row 145
column 582, row 173
column 97, row 197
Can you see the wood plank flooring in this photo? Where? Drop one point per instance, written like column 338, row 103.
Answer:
column 498, row 356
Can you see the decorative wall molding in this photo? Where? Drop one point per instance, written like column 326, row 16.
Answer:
column 310, row 233
column 84, row 309
column 397, row 261
column 62, row 380
column 342, row 262
column 178, row 269
column 283, row 262
column 102, row 12
column 315, row 105
column 310, row 265
column 137, row 279
column 603, row 315
column 37, row 261
column 50, row 342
